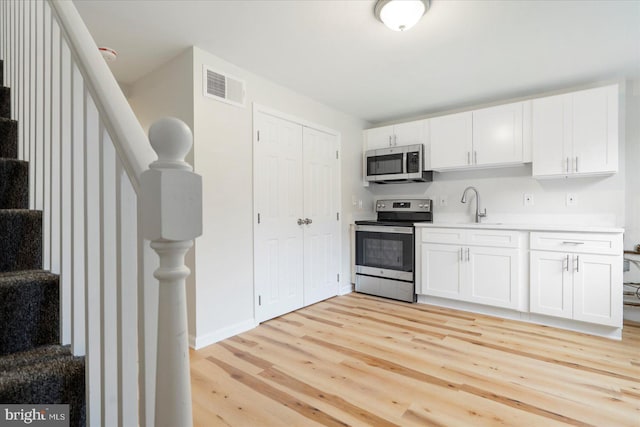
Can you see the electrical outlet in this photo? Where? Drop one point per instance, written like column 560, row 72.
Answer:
column 443, row 200
column 528, row 199
column 572, row 199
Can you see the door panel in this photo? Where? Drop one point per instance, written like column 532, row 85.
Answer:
column 451, row 141
column 321, row 206
column 595, row 130
column 598, row 289
column 497, row 134
column 551, row 284
column 493, row 274
column 441, row 270
column 550, row 129
column 278, row 199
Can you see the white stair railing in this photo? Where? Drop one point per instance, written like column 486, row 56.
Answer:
column 103, row 211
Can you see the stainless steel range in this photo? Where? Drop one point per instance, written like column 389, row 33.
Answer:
column 385, row 249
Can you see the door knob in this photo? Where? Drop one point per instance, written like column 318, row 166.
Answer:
column 301, row 221
column 308, row 221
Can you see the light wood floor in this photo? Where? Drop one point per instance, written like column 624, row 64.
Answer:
column 365, row 361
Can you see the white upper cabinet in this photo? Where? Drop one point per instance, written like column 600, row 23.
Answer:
column 451, row 141
column 576, row 134
column 497, row 135
column 396, row 135
column 479, row 138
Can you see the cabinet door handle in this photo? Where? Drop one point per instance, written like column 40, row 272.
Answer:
column 567, row 242
column 390, row 144
column 468, row 256
column 567, row 166
column 475, row 157
column 468, row 157
column 576, row 163
column 567, row 267
column 461, row 259
column 578, row 263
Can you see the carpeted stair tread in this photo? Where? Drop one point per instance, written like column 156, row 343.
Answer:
column 29, row 310
column 21, row 237
column 14, row 361
column 5, row 102
column 52, row 376
column 14, row 184
column 8, row 138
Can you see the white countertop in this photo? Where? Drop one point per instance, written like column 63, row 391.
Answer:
column 523, row 227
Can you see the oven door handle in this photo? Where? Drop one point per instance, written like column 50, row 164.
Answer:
column 384, row 229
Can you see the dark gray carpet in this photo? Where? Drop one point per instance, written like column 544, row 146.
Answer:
column 14, row 184
column 8, row 138
column 30, row 310
column 21, row 237
column 34, row 368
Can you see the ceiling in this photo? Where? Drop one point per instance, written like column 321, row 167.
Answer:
column 461, row 53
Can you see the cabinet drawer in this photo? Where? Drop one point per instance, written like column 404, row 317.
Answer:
column 593, row 243
column 444, row 235
column 494, row 238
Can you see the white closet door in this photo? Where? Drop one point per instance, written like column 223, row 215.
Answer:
column 278, row 239
column 321, row 206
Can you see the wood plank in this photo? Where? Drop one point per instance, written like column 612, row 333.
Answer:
column 364, row 361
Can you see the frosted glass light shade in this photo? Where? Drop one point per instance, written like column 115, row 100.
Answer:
column 400, row 15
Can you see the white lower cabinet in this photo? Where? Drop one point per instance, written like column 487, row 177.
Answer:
column 481, row 274
column 571, row 282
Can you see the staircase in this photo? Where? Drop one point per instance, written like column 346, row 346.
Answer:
column 34, row 368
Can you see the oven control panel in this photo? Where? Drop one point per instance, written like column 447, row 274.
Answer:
column 405, row 205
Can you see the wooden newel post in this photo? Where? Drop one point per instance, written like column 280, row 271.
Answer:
column 171, row 196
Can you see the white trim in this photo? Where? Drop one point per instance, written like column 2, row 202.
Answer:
column 571, row 325
column 221, row 334
column 284, row 116
column 345, row 288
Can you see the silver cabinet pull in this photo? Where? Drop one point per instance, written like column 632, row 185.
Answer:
column 567, row 267
column 461, row 259
column 475, row 157
column 567, row 242
column 390, row 144
column 578, row 263
column 567, row 166
column 468, row 256
column 468, row 157
column 300, row 221
column 308, row 221
column 576, row 163
column 395, row 139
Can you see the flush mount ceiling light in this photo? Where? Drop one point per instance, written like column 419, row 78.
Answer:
column 400, row 15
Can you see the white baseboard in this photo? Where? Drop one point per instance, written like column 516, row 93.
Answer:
column 345, row 289
column 572, row 325
column 213, row 337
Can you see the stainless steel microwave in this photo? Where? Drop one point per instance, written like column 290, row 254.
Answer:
column 396, row 165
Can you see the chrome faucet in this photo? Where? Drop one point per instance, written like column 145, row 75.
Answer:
column 464, row 200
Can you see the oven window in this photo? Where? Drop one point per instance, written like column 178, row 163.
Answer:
column 385, row 165
column 392, row 251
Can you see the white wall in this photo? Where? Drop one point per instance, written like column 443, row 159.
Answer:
column 632, row 129
column 167, row 92
column 600, row 200
column 223, row 156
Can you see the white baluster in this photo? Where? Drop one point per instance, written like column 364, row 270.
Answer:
column 172, row 217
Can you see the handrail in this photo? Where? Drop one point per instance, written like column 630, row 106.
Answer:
column 127, row 134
